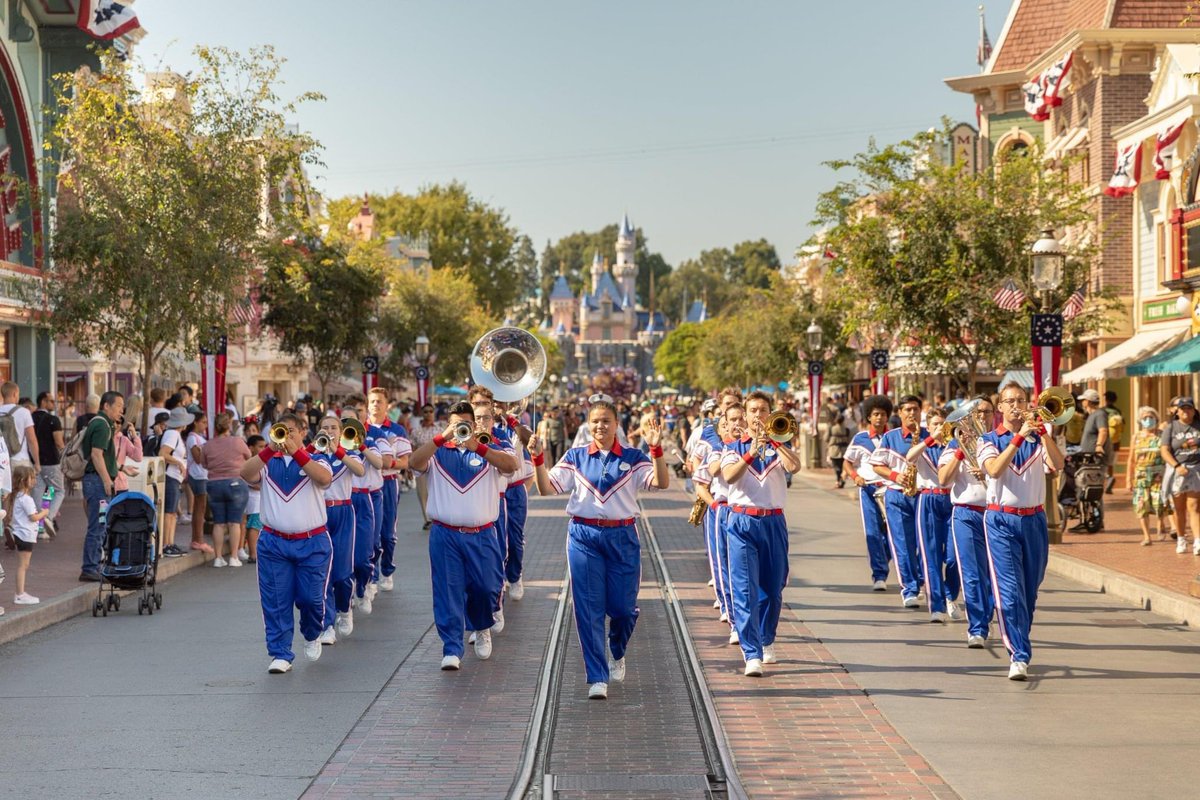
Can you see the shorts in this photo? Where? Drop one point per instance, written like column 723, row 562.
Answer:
column 253, row 522
column 227, row 499
column 199, row 486
column 171, row 496
column 1188, row 482
column 24, row 546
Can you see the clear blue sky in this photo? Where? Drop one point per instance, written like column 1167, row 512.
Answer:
column 708, row 121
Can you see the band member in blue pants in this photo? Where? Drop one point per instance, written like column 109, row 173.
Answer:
column 878, row 408
column 933, row 524
column 339, row 510
column 890, row 463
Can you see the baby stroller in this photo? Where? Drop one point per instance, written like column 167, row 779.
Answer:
column 1082, row 494
column 129, row 557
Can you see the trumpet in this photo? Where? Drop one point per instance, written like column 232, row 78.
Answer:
column 278, row 433
column 484, row 438
column 323, row 444
column 463, row 432
column 354, row 435
column 781, row 427
column 1055, row 406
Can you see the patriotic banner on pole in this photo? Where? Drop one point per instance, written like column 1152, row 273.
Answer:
column 1127, row 172
column 1045, row 91
column 816, row 374
column 106, row 19
column 1046, row 333
column 1009, row 296
column 422, row 375
column 1074, row 306
column 370, row 366
column 213, row 359
column 879, row 371
column 1164, row 150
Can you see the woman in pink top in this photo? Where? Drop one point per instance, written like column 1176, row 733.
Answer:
column 223, row 457
column 128, row 447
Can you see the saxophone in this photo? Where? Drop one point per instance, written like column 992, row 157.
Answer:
column 908, row 478
column 698, row 509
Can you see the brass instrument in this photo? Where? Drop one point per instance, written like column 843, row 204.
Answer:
column 943, row 433
column 462, row 432
column 1055, row 406
column 509, row 361
column 781, row 427
column 323, row 444
column 908, row 478
column 698, row 509
column 354, row 435
column 968, row 428
column 278, row 433
column 484, row 438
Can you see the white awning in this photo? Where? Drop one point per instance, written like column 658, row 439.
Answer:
column 1111, row 363
column 1066, row 142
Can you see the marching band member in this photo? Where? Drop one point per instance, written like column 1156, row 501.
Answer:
column 294, row 551
column 339, row 512
column 364, row 508
column 933, row 524
column 889, row 463
column 969, row 499
column 485, row 422
column 756, row 531
column 878, row 409
column 465, row 480
column 396, row 440
column 708, row 476
column 603, row 550
column 516, row 505
column 1018, row 543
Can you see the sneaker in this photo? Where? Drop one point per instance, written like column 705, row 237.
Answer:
column 364, row 603
column 26, row 599
column 471, row 638
column 912, row 601
column 1181, row 544
column 343, row 623
column 753, row 668
column 171, row 551
column 243, row 554
column 498, row 621
column 1196, row 547
column 733, row 637
column 769, row 654
column 279, row 666
column 371, row 590
column 716, row 603
column 327, row 636
column 976, row 642
column 879, row 586
column 953, row 611
column 203, row 547
column 616, row 670
column 451, row 663
column 711, row 582
column 598, row 691
column 50, row 527
column 220, row 562
column 185, row 518
column 939, row 616
column 233, row 562
column 386, row 584
column 43, row 537
column 483, row 645
column 516, row 590
column 312, row 650
column 1018, row 671
column 724, row 617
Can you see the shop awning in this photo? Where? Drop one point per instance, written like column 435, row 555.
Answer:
column 1182, row 359
column 1112, row 363
column 1021, row 377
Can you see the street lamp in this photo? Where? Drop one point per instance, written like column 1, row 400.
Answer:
column 813, row 335
column 421, row 369
column 422, row 347
column 1049, row 257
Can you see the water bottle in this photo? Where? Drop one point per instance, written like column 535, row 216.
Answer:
column 47, row 498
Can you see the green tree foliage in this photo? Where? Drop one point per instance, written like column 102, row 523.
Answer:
column 720, row 277
column 572, row 255
column 922, row 246
column 159, row 200
column 316, row 296
column 677, row 357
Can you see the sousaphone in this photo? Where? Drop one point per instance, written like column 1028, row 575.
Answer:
column 509, row 361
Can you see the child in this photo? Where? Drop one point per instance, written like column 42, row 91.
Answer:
column 26, row 516
column 249, row 552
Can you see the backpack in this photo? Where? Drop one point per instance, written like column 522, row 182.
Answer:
column 73, row 462
column 1116, row 426
column 8, row 429
column 151, row 444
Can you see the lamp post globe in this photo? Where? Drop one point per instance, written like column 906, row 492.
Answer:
column 422, row 347
column 813, row 335
column 1049, row 256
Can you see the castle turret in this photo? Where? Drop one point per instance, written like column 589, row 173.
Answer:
column 597, row 271
column 625, row 270
column 363, row 226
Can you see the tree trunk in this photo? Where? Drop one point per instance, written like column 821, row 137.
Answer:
column 147, row 370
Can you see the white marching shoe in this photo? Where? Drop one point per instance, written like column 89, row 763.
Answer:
column 386, row 584
column 451, row 662
column 953, row 611
column 733, row 637
column 483, row 645
column 279, row 666
column 616, row 669
column 343, row 623
column 754, row 668
column 312, row 650
column 769, row 654
column 939, row 616
column 598, row 691
column 1018, row 671
column 498, row 621
column 879, row 586
column 327, row 636
column 516, row 590
column 976, row 642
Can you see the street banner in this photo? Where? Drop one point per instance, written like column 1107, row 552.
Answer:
column 422, row 375
column 879, row 371
column 1127, row 171
column 816, row 374
column 213, row 358
column 1045, row 91
column 1164, row 150
column 1046, row 334
column 370, row 374
column 106, row 19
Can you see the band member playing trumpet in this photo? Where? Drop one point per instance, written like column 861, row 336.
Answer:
column 753, row 466
column 1018, row 543
column 487, row 426
column 466, row 479
column 393, row 437
column 968, row 497
column 711, row 486
column 330, row 447
column 516, row 501
column 878, row 408
column 603, row 550
column 364, row 506
column 890, row 463
column 933, row 522
column 294, row 550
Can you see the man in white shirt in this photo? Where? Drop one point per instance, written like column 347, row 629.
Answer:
column 27, row 453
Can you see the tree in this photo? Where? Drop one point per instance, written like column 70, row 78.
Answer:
column 159, row 200
column 922, row 246
column 753, row 264
column 315, row 298
column 718, row 277
column 676, row 358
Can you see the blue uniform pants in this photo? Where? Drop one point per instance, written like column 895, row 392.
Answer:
column 364, row 540
column 1018, row 548
column 391, row 498
column 501, row 532
column 875, row 528
column 606, row 568
column 902, row 532
column 466, row 581
column 937, row 556
column 376, row 533
column 758, row 569
column 718, row 556
column 341, row 576
column 970, row 549
column 516, row 503
column 292, row 573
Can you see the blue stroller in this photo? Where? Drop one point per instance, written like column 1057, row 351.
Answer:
column 129, row 559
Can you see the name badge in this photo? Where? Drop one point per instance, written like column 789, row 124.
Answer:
column 768, row 452
column 624, row 467
column 474, row 462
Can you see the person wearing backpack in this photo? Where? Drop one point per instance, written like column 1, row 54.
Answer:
column 1116, row 429
column 50, row 445
column 98, row 476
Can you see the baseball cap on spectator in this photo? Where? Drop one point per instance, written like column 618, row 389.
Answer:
column 1187, row 402
column 1091, row 395
column 161, row 418
column 709, row 406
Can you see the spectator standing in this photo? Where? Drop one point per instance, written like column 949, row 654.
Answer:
column 173, row 452
column 421, row 433
column 98, row 476
column 91, row 407
column 839, row 440
column 197, row 475
column 222, row 458
column 48, row 429
column 1181, row 450
column 249, row 551
column 1095, row 437
column 1116, row 430
column 1145, row 471
column 158, row 400
column 25, row 519
column 27, row 453
column 129, row 448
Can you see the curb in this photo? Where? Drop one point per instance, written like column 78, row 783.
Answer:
column 79, row 600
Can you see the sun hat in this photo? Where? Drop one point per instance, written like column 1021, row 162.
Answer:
column 179, row 418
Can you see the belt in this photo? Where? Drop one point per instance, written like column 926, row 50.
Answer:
column 293, row 536
column 980, row 509
column 462, row 528
column 757, row 512
column 332, row 503
column 360, row 491
column 390, row 477
column 1020, row 512
column 717, row 504
column 604, row 523
column 935, row 491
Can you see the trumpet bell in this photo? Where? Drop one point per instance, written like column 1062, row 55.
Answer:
column 323, row 443
column 484, row 438
column 278, row 433
column 781, row 427
column 511, row 362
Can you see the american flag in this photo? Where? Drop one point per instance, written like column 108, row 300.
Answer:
column 984, row 51
column 1009, row 296
column 1074, row 306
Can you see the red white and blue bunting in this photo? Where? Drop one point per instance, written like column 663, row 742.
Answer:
column 1127, row 172
column 1045, row 91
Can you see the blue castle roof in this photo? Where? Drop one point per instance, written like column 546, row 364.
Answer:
column 562, row 289
column 698, row 312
